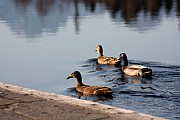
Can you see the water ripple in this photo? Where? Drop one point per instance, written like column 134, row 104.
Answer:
column 163, row 87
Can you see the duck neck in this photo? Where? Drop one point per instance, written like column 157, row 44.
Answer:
column 79, row 80
column 100, row 52
column 124, row 62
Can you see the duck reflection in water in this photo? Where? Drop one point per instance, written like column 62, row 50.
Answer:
column 86, row 90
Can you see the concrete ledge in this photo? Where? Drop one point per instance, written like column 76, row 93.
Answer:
column 112, row 111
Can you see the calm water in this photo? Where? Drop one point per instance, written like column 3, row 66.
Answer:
column 43, row 41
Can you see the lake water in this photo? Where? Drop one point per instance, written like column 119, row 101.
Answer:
column 42, row 42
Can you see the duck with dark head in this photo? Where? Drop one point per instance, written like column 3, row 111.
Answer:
column 87, row 90
column 134, row 70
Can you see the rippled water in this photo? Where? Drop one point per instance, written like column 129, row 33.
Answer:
column 43, row 41
column 159, row 95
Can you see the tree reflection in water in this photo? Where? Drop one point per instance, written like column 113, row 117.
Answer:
column 128, row 9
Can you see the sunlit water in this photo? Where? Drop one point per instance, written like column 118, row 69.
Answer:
column 42, row 42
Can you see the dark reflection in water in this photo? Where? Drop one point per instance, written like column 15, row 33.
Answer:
column 178, row 11
column 131, row 8
column 42, row 6
column 51, row 14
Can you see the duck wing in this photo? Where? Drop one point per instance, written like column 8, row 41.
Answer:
column 108, row 60
column 132, row 70
column 136, row 70
column 82, row 88
column 137, row 66
column 96, row 90
column 101, row 90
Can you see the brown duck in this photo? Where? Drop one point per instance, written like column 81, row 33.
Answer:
column 106, row 59
column 87, row 90
column 134, row 70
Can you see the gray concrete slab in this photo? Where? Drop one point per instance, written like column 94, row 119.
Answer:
column 27, row 104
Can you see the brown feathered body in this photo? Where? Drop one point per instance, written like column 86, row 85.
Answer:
column 106, row 59
column 87, row 90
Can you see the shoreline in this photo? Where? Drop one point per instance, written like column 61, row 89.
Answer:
column 93, row 108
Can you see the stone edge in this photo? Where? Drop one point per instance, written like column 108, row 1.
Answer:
column 68, row 100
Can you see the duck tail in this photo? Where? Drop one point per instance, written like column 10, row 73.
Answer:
column 147, row 72
column 108, row 95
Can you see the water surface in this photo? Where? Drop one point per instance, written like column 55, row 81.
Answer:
column 43, row 41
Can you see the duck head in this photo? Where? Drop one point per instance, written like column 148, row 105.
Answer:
column 99, row 49
column 123, row 59
column 77, row 75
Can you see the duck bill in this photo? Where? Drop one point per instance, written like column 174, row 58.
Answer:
column 69, row 77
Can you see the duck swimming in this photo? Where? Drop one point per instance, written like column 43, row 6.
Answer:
column 87, row 90
column 106, row 59
column 134, row 70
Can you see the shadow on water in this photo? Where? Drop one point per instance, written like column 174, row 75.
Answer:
column 162, row 91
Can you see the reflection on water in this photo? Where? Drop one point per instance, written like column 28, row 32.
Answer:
column 62, row 34
column 32, row 18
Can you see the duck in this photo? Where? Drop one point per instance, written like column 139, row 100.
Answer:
column 106, row 59
column 133, row 70
column 87, row 90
